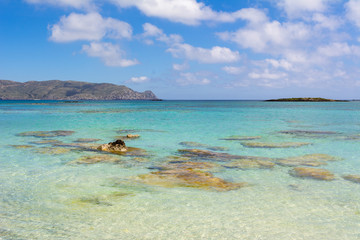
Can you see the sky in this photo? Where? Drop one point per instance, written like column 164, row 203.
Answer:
column 187, row 49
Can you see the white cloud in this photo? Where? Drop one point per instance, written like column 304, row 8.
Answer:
column 192, row 79
column 180, row 67
column 267, row 75
column 262, row 35
column 90, row 27
column 282, row 63
column 110, row 54
column 139, row 79
column 353, row 11
column 233, row 70
column 214, row 55
column 328, row 22
column 151, row 30
column 339, row 49
column 79, row 4
column 296, row 8
column 188, row 12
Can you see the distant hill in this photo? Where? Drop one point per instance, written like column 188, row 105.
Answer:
column 69, row 90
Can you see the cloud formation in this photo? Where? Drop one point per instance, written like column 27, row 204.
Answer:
column 189, row 12
column 79, row 4
column 139, row 79
column 109, row 53
column 88, row 27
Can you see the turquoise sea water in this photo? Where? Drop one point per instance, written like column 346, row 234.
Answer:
column 44, row 194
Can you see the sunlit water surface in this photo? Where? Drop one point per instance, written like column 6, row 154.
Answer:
column 45, row 195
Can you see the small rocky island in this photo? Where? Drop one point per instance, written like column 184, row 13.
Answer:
column 304, row 100
column 69, row 90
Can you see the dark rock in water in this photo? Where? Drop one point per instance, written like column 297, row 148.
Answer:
column 352, row 178
column 274, row 145
column 188, row 178
column 241, row 138
column 114, row 147
column 206, row 154
column 314, row 173
column 44, row 134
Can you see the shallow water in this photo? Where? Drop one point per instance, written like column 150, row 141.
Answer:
column 45, row 195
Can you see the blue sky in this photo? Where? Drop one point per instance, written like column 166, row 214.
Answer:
column 188, row 49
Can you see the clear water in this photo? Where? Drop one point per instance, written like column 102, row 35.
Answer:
column 42, row 196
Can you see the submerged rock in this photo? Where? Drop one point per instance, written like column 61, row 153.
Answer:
column 104, row 158
column 314, row 173
column 47, row 141
column 21, row 146
column 201, row 145
column 188, row 178
column 274, row 145
column 313, row 160
column 52, row 150
column 205, row 166
column 43, row 134
column 352, row 178
column 86, row 140
column 114, row 147
column 250, row 164
column 309, row 133
column 241, row 138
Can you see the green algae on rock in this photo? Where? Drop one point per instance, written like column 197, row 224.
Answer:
column 274, row 145
column 44, row 134
column 352, row 178
column 188, row 178
column 314, row 173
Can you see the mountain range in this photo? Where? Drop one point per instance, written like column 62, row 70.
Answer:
column 69, row 90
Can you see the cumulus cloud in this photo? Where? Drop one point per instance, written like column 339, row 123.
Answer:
column 338, row 49
column 139, row 79
column 109, row 53
column 179, row 49
column 214, row 55
column 151, row 30
column 262, row 35
column 353, row 11
column 90, row 27
column 79, row 4
column 233, row 70
column 296, row 8
column 188, row 12
column 192, row 79
column 180, row 67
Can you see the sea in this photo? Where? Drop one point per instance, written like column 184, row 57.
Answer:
column 197, row 170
